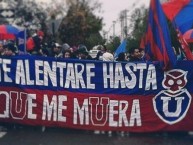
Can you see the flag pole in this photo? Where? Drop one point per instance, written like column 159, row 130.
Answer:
column 25, row 34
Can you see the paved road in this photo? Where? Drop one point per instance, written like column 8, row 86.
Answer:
column 61, row 136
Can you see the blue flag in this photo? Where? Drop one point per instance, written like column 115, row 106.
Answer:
column 121, row 48
column 21, row 41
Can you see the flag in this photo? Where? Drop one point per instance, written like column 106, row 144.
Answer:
column 157, row 39
column 142, row 42
column 185, row 46
column 21, row 41
column 180, row 13
column 121, row 48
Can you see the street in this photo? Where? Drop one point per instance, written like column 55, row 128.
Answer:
column 29, row 135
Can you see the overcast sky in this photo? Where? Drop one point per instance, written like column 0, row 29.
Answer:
column 112, row 8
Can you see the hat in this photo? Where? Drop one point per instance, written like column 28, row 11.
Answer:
column 65, row 46
column 82, row 49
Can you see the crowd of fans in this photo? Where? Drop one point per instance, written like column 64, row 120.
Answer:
column 35, row 46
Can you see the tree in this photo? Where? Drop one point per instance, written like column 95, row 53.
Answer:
column 138, row 26
column 80, row 24
column 113, row 44
column 29, row 14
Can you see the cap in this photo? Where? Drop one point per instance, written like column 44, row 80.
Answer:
column 65, row 46
column 57, row 45
column 82, row 49
column 40, row 33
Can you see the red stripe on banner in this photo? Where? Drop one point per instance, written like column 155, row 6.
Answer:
column 133, row 113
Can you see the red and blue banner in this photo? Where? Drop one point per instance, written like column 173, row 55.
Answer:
column 8, row 32
column 157, row 39
column 96, row 95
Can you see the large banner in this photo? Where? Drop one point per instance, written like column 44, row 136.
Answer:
column 96, row 95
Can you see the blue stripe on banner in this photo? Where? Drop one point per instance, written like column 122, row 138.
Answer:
column 30, row 72
column 82, row 76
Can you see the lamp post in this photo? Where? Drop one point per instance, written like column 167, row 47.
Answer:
column 125, row 28
column 53, row 25
column 114, row 28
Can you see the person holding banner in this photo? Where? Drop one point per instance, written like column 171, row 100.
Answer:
column 135, row 54
column 142, row 53
column 10, row 49
column 107, row 56
column 57, row 50
column 102, row 49
column 33, row 44
column 122, row 57
column 83, row 52
column 44, row 52
column 67, row 54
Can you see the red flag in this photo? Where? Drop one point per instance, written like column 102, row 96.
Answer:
column 185, row 46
